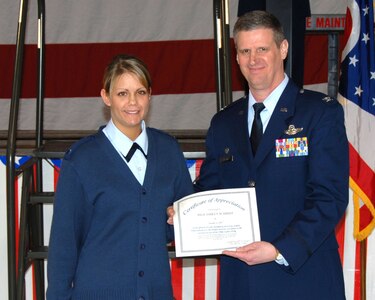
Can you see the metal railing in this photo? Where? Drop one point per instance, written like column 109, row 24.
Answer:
column 12, row 133
column 222, row 54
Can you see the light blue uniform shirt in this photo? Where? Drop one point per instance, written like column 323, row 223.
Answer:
column 269, row 103
column 122, row 144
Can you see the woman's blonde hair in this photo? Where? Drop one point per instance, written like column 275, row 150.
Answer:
column 122, row 64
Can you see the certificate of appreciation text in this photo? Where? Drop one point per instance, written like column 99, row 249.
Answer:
column 207, row 223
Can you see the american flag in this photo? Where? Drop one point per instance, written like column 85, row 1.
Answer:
column 357, row 93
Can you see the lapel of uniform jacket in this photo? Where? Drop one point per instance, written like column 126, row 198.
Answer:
column 114, row 157
column 152, row 160
column 278, row 123
column 241, row 130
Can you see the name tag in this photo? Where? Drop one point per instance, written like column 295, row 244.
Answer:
column 292, row 147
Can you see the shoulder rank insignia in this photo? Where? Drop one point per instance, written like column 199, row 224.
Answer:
column 327, row 99
column 292, row 130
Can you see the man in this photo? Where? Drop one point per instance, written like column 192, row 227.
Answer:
column 299, row 170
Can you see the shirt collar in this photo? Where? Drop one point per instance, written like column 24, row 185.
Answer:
column 272, row 99
column 121, row 142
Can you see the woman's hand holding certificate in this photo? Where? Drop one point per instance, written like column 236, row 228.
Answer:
column 207, row 223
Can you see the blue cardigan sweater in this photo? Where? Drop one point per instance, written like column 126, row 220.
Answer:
column 109, row 233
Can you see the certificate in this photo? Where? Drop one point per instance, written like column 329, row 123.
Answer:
column 207, row 223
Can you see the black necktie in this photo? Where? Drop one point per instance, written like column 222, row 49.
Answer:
column 132, row 150
column 257, row 127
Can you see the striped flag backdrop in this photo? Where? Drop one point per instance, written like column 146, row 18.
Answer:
column 174, row 37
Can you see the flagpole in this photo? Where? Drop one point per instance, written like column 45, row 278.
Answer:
column 363, row 255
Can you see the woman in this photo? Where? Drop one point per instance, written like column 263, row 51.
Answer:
column 109, row 231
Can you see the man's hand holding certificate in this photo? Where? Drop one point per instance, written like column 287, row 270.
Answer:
column 209, row 222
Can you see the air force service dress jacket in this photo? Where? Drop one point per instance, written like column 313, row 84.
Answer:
column 300, row 174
